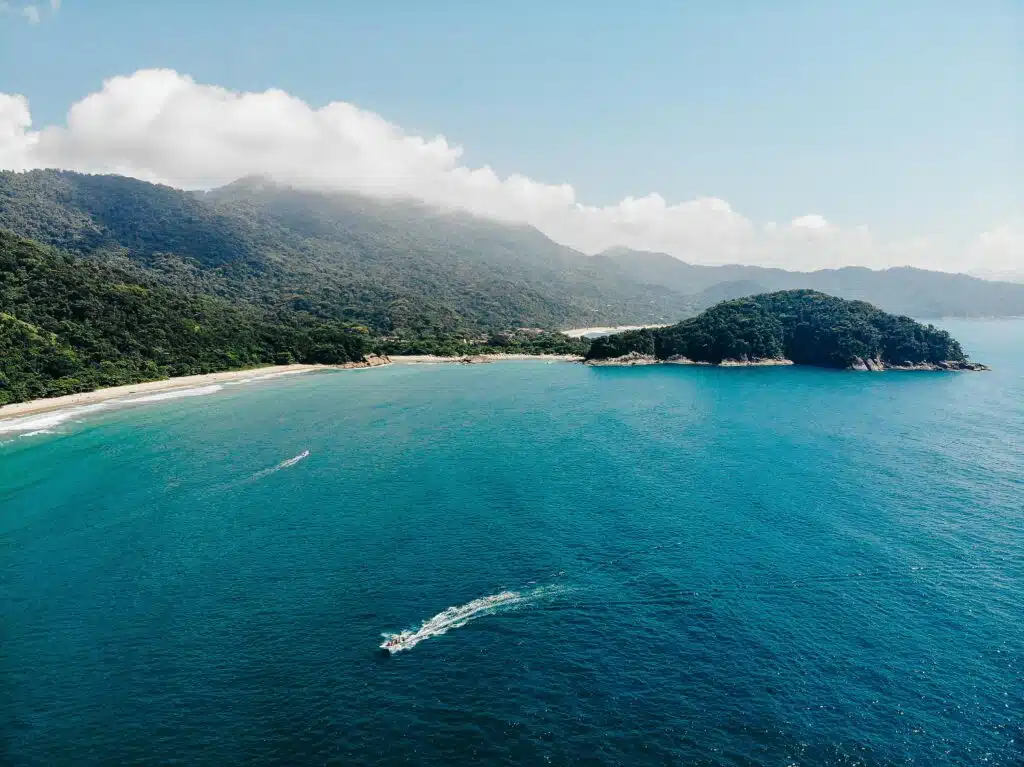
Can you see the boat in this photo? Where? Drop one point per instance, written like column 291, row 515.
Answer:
column 395, row 642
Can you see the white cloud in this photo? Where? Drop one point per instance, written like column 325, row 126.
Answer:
column 30, row 12
column 161, row 126
column 813, row 221
column 999, row 252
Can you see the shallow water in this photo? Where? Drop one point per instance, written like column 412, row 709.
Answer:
column 743, row 566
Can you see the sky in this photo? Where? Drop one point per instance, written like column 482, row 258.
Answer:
column 785, row 133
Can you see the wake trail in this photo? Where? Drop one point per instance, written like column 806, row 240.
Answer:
column 459, row 615
column 283, row 465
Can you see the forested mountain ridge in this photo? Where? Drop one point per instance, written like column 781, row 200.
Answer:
column 802, row 326
column 902, row 290
column 70, row 324
column 396, row 266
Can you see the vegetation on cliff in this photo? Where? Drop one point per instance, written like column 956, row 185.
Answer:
column 398, row 267
column 804, row 326
column 69, row 325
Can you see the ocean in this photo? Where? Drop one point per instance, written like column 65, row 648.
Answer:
column 659, row 565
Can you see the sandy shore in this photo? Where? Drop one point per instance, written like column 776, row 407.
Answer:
column 85, row 399
column 580, row 332
column 413, row 359
column 152, row 387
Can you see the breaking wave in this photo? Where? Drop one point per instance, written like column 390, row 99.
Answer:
column 44, row 422
column 173, row 394
column 459, row 615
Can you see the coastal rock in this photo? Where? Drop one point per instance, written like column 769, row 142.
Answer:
column 745, row 361
column 369, row 361
column 477, row 359
column 679, row 359
column 874, row 364
column 626, row 360
column 963, row 365
column 908, row 365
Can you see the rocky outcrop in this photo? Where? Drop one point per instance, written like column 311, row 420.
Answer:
column 636, row 358
column 745, row 361
column 679, row 359
column 962, row 365
column 369, row 361
column 476, row 359
column 875, row 364
column 626, row 360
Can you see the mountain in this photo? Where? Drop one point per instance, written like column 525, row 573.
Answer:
column 69, row 324
column 801, row 326
column 1001, row 275
column 397, row 266
column 904, row 290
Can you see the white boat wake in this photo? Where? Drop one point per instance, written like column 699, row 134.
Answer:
column 459, row 615
column 282, row 465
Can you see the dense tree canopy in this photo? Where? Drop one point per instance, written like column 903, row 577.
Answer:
column 70, row 325
column 804, row 326
column 396, row 266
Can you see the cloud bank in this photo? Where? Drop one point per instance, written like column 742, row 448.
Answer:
column 161, row 126
column 32, row 13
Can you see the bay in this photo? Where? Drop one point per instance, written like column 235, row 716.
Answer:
column 710, row 566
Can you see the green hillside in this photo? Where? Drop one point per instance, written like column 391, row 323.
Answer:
column 396, row 266
column 69, row 325
column 804, row 326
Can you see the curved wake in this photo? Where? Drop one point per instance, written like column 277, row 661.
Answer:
column 458, row 616
column 282, row 465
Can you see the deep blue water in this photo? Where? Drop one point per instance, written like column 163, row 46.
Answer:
column 737, row 567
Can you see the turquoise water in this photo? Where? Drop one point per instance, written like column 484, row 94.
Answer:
column 738, row 567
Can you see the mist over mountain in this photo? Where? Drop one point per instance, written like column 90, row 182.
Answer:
column 397, row 266
column 903, row 290
column 404, row 267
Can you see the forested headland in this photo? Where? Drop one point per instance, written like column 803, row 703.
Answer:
column 803, row 326
column 106, row 280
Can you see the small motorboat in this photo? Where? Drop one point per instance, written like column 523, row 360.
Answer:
column 395, row 642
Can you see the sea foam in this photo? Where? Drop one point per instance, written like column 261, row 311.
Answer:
column 42, row 423
column 283, row 465
column 198, row 391
column 459, row 615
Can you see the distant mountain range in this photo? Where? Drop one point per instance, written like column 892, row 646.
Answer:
column 1001, row 275
column 904, row 290
column 401, row 267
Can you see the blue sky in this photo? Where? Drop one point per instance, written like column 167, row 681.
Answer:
column 903, row 116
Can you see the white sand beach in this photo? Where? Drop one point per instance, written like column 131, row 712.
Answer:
column 580, row 332
column 419, row 359
column 36, row 406
column 198, row 384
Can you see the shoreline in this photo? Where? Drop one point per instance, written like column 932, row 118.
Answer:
column 46, row 404
column 606, row 330
column 36, row 407
column 474, row 359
